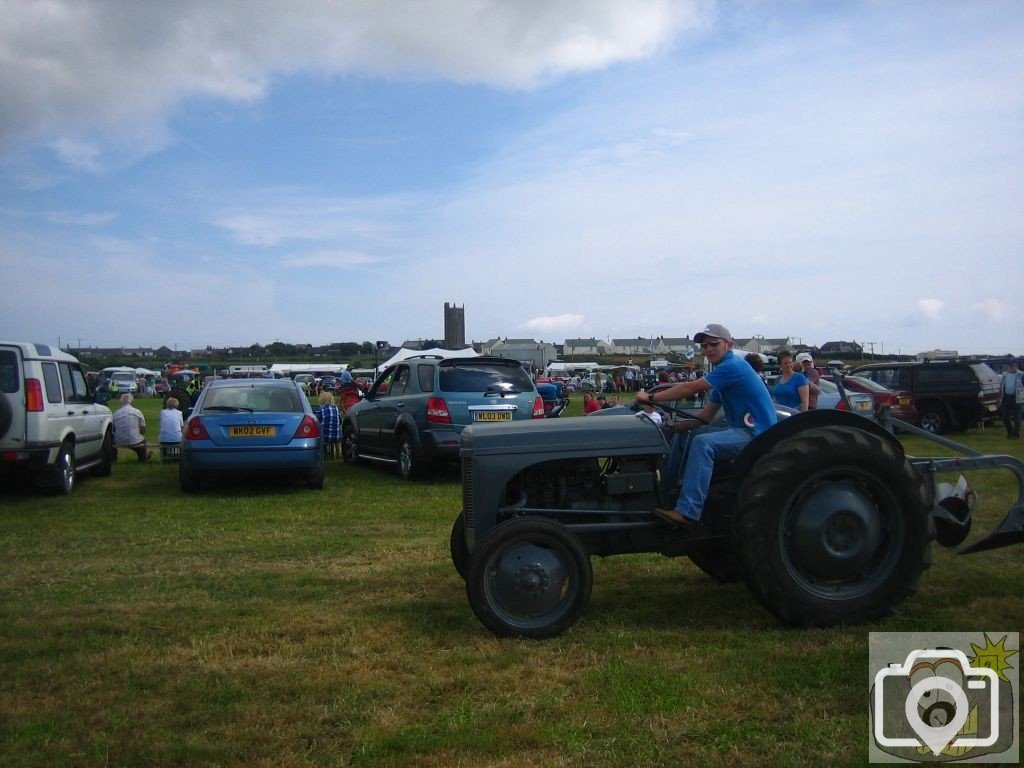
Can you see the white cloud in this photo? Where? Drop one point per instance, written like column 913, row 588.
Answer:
column 993, row 309
column 565, row 323
column 96, row 219
column 81, row 155
column 80, row 65
column 330, row 259
column 930, row 308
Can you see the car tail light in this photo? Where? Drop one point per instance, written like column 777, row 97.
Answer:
column 33, row 396
column 437, row 411
column 538, row 408
column 841, row 405
column 196, row 430
column 308, row 428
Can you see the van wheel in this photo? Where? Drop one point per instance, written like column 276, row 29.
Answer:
column 107, row 456
column 932, row 418
column 349, row 445
column 408, row 458
column 60, row 478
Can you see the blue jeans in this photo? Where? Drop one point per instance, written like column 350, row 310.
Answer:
column 705, row 446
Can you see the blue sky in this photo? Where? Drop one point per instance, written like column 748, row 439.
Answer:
column 238, row 172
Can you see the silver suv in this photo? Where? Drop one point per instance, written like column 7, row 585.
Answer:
column 415, row 412
column 51, row 423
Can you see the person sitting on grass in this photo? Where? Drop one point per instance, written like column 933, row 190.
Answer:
column 171, row 422
column 129, row 427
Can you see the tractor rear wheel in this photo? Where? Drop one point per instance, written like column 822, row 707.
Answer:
column 529, row 577
column 833, row 527
column 718, row 561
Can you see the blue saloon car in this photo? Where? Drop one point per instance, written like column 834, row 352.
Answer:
column 257, row 426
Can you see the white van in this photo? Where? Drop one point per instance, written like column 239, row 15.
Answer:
column 52, row 424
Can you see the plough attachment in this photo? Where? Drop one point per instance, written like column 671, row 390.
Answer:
column 954, row 504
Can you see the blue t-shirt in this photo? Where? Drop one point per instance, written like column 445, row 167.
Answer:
column 738, row 388
column 788, row 394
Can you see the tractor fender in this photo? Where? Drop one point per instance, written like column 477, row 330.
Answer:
column 800, row 422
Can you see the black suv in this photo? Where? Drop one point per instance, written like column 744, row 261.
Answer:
column 417, row 408
column 950, row 395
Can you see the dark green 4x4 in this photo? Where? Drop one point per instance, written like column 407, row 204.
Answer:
column 950, row 395
column 417, row 408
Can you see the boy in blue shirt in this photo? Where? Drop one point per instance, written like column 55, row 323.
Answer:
column 749, row 410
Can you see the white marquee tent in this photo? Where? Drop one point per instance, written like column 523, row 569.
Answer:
column 404, row 354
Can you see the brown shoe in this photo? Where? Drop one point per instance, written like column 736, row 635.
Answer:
column 674, row 518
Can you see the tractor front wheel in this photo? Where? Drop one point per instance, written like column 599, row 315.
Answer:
column 457, row 546
column 529, row 577
column 833, row 527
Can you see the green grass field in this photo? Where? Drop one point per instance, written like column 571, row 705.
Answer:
column 268, row 625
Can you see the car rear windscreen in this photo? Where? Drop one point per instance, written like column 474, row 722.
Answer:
column 255, row 399
column 477, row 378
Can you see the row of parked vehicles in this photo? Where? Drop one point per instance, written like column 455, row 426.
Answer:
column 413, row 414
column 823, row 516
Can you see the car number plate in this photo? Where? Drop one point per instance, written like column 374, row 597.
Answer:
column 251, row 430
column 492, row 415
column 863, row 405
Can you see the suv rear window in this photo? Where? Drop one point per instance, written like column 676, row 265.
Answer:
column 467, row 377
column 9, row 371
column 945, row 375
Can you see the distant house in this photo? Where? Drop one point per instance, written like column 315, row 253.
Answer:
column 842, row 348
column 763, row 345
column 589, row 346
column 638, row 346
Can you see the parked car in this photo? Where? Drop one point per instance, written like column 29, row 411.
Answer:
column 416, row 410
column 329, row 383
column 305, row 380
column 122, row 381
column 829, row 398
column 900, row 403
column 259, row 426
column 52, row 423
column 949, row 394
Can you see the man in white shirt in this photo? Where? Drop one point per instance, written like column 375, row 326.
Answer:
column 129, row 428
